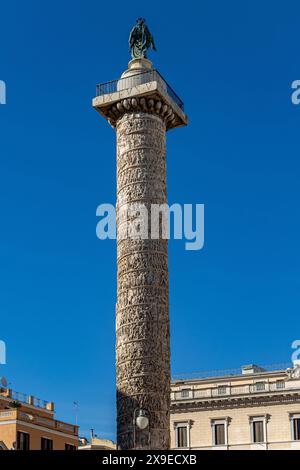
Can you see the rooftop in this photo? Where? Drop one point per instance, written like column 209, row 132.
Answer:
column 31, row 410
column 274, row 381
column 236, row 372
column 29, row 400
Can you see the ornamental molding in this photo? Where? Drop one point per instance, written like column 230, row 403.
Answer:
column 150, row 106
column 151, row 97
column 236, row 402
column 293, row 374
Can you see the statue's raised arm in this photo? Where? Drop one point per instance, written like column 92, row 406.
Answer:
column 140, row 40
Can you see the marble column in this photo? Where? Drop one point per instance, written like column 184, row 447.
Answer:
column 142, row 111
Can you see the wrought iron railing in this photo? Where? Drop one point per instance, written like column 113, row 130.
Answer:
column 138, row 79
column 227, row 372
column 40, row 403
column 19, row 396
column 24, row 398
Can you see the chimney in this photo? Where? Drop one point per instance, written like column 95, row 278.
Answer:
column 252, row 369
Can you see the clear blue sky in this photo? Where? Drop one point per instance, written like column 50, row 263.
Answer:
column 238, row 300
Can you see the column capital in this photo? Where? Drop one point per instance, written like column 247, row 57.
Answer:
column 140, row 89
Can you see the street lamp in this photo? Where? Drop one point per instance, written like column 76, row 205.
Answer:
column 140, row 421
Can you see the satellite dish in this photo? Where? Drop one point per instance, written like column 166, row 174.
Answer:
column 30, row 417
column 3, row 381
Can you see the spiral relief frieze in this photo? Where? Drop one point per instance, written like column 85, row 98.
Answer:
column 142, row 312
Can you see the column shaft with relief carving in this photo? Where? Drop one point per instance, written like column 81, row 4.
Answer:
column 143, row 331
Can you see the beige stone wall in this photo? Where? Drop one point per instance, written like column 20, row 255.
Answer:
column 239, row 436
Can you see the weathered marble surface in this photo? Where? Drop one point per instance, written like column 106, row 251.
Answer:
column 149, row 97
column 142, row 313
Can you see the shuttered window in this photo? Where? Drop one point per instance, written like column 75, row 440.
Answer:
column 296, row 429
column 182, row 436
column 23, row 441
column 46, row 444
column 185, row 393
column 219, row 431
column 258, row 431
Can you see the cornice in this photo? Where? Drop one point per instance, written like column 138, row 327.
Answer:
column 235, row 402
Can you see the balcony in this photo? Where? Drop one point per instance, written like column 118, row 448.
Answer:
column 225, row 391
column 18, row 414
column 11, row 395
column 145, row 91
column 141, row 78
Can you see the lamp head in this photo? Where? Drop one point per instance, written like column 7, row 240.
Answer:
column 142, row 420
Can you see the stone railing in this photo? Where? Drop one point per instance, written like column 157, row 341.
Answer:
column 70, row 428
column 232, row 390
column 15, row 414
column 8, row 414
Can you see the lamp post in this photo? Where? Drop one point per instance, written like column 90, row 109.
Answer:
column 140, row 421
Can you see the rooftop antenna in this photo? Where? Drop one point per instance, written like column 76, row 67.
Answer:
column 76, row 405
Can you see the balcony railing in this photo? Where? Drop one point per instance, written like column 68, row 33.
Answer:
column 231, row 390
column 227, row 372
column 20, row 397
column 138, row 79
column 7, row 415
column 24, row 398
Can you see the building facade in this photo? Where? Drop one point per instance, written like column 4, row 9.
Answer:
column 255, row 409
column 96, row 444
column 27, row 423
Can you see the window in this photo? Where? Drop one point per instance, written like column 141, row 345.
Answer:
column 70, row 447
column 23, row 441
column 222, row 390
column 258, row 431
column 182, row 436
column 220, row 431
column 260, row 386
column 219, row 434
column 46, row 444
column 296, row 428
column 185, row 393
column 280, row 384
column 259, row 428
